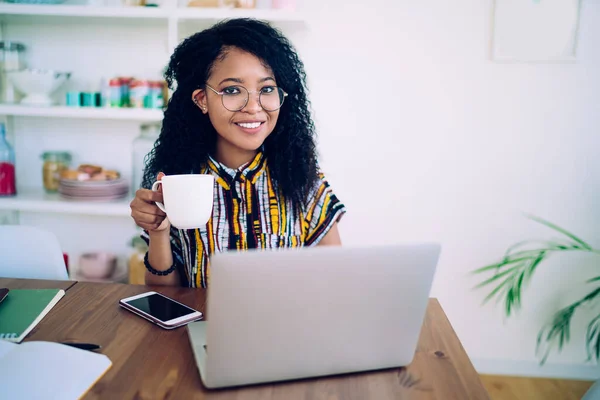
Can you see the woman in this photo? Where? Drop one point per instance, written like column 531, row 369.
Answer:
column 239, row 111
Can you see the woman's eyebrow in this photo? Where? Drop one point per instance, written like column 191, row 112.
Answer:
column 236, row 80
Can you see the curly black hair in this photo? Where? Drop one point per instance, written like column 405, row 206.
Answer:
column 187, row 136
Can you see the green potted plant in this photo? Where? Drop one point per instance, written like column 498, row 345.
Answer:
column 507, row 278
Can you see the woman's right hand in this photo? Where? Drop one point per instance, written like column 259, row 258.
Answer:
column 146, row 213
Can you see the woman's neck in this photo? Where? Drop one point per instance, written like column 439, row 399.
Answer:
column 233, row 157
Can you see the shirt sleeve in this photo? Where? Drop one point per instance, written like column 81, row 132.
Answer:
column 177, row 251
column 323, row 211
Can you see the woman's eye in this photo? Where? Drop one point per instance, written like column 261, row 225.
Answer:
column 268, row 89
column 231, row 90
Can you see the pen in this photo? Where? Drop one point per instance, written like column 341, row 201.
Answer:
column 83, row 346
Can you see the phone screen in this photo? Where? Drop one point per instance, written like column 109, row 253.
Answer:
column 160, row 307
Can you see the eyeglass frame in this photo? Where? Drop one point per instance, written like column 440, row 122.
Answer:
column 285, row 94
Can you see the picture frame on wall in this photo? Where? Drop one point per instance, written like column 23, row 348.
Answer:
column 535, row 31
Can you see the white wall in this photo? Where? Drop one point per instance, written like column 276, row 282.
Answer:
column 421, row 136
column 424, row 138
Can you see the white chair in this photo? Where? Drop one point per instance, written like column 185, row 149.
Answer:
column 30, row 253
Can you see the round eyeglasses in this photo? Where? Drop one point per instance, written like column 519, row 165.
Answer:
column 234, row 98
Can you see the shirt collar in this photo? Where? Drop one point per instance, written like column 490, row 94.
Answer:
column 248, row 170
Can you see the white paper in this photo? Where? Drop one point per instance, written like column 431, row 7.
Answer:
column 45, row 370
column 5, row 347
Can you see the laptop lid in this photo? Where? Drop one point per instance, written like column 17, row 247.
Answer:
column 296, row 313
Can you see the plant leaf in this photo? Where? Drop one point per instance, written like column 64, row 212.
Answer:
column 533, row 266
column 509, row 300
column 497, row 276
column 591, row 333
column 499, row 265
column 597, row 346
column 561, row 230
column 559, row 329
column 518, row 290
column 503, row 285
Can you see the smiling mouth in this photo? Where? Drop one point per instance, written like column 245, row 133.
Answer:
column 249, row 125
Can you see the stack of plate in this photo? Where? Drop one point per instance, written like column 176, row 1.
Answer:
column 93, row 190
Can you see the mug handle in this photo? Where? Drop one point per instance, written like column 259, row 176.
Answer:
column 160, row 205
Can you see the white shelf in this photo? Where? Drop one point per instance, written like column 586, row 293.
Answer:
column 123, row 114
column 36, row 200
column 198, row 14
column 153, row 13
column 83, row 11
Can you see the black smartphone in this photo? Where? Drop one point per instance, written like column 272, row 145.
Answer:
column 3, row 293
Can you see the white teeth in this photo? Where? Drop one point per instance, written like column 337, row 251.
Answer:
column 251, row 125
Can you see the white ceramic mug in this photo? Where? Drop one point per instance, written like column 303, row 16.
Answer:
column 188, row 199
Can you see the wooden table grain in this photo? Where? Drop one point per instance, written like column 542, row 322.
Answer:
column 12, row 283
column 153, row 363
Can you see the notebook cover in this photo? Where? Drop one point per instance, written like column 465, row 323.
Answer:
column 23, row 309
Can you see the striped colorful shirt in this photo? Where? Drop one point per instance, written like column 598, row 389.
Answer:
column 249, row 213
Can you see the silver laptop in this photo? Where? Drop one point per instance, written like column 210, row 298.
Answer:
column 298, row 313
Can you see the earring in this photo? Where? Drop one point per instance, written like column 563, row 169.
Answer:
column 204, row 109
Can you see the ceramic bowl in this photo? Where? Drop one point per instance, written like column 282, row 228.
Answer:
column 37, row 85
column 97, row 265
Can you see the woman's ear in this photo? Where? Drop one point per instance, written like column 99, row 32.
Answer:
column 199, row 98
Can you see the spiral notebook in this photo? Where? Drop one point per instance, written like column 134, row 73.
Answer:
column 23, row 309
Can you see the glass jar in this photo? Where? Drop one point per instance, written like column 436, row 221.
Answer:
column 142, row 145
column 11, row 59
column 8, row 185
column 54, row 163
column 137, row 269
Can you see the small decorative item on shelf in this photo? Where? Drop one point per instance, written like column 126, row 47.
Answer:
column 8, row 185
column 11, row 59
column 139, row 90
column 122, row 92
column 204, row 3
column 98, row 265
column 245, row 3
column 125, row 84
column 227, row 3
column 37, row 85
column 92, row 183
column 55, row 162
column 137, row 269
column 115, row 98
column 155, row 98
column 84, row 99
column 133, row 3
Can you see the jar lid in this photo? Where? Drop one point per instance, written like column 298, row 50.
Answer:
column 151, row 129
column 12, row 46
column 57, row 154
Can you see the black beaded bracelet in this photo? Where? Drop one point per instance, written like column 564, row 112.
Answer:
column 157, row 272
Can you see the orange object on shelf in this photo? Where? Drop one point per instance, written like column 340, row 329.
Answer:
column 203, row 3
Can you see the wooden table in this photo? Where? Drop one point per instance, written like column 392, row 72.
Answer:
column 153, row 363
